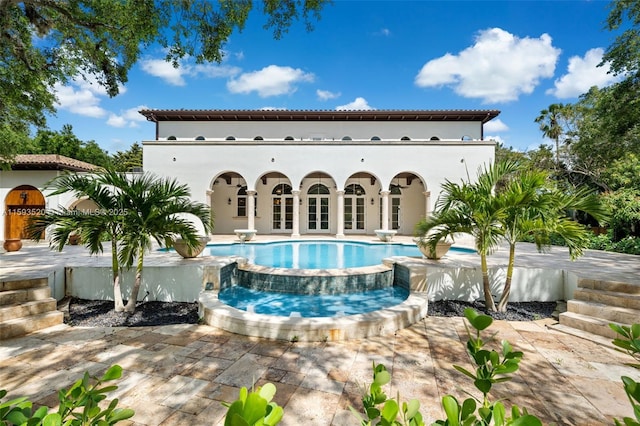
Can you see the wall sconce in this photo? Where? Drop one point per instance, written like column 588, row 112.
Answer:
column 23, row 196
column 373, row 201
column 229, row 201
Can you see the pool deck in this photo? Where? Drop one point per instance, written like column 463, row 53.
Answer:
column 178, row 375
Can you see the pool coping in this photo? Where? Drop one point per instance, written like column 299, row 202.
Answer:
column 381, row 322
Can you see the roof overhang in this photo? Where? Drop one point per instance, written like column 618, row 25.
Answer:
column 482, row 116
column 50, row 162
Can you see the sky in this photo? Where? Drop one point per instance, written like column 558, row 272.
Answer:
column 515, row 56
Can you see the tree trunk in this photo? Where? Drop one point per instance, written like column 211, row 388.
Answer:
column 488, row 298
column 133, row 297
column 115, row 270
column 506, row 292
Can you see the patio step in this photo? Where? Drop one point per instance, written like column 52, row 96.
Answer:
column 26, row 306
column 598, row 303
column 25, row 309
column 603, row 311
column 21, row 326
column 611, row 298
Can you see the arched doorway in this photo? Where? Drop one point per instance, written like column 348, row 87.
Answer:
column 354, row 208
column 22, row 203
column 281, row 208
column 318, row 208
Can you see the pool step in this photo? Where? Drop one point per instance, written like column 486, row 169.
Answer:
column 26, row 305
column 598, row 303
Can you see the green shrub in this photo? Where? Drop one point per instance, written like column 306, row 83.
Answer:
column 629, row 343
column 254, row 408
column 78, row 405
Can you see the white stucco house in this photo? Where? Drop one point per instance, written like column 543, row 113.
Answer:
column 23, row 190
column 297, row 172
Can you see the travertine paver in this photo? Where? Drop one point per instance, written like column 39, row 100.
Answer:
column 183, row 378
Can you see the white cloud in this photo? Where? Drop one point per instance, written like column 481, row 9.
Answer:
column 164, row 70
column 79, row 100
column 495, row 125
column 360, row 104
column 213, row 70
column 385, row 32
column 496, row 138
column 582, row 74
column 499, row 67
column 272, row 80
column 325, row 95
column 269, row 108
column 127, row 118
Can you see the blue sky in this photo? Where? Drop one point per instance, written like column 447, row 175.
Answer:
column 515, row 56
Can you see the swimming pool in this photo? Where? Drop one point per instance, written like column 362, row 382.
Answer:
column 314, row 254
column 311, row 306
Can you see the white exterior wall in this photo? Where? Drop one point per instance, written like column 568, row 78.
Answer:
column 199, row 163
column 325, row 130
column 35, row 178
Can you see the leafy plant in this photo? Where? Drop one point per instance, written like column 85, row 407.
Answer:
column 78, row 406
column 387, row 411
column 630, row 344
column 491, row 367
column 254, row 408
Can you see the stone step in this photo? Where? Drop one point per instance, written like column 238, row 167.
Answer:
column 21, row 326
column 613, row 298
column 605, row 312
column 12, row 297
column 23, row 284
column 25, row 309
column 614, row 286
column 587, row 323
column 601, row 340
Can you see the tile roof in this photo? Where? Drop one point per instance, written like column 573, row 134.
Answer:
column 50, row 162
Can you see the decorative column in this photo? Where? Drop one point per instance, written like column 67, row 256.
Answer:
column 251, row 209
column 210, row 198
column 385, row 210
column 427, row 199
column 340, row 212
column 296, row 214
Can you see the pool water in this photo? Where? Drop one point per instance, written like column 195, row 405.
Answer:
column 314, row 254
column 310, row 306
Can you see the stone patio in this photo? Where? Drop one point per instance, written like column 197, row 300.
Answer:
column 180, row 374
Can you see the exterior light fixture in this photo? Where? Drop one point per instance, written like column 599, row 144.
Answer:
column 23, row 196
column 229, row 201
column 373, row 201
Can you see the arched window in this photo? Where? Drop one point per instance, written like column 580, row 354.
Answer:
column 467, row 138
column 289, row 138
column 346, row 138
column 375, row 138
column 395, row 189
column 354, row 189
column 242, row 202
column 318, row 189
column 434, row 138
column 405, row 138
column 171, row 138
column 258, row 138
column 230, row 138
column 200, row 138
column 282, row 189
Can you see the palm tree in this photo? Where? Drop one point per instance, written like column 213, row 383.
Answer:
column 532, row 206
column 124, row 217
column 470, row 208
column 550, row 125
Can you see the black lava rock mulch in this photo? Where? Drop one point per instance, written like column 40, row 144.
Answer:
column 100, row 313
column 516, row 311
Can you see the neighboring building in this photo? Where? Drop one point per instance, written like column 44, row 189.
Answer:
column 23, row 192
column 317, row 172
